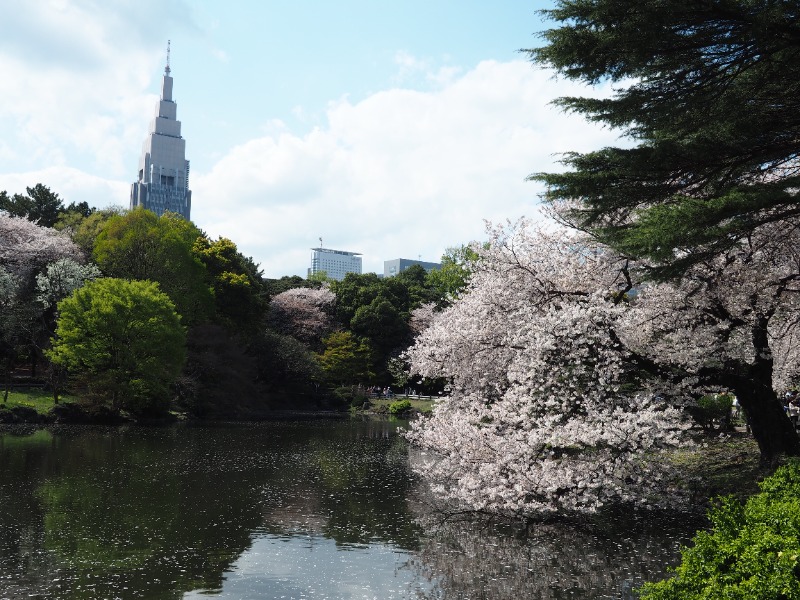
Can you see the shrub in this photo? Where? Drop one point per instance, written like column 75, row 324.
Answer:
column 350, row 396
column 399, row 407
column 751, row 551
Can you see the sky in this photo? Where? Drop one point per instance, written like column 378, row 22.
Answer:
column 392, row 129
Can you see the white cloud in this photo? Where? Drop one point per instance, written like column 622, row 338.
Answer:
column 74, row 76
column 72, row 185
column 400, row 174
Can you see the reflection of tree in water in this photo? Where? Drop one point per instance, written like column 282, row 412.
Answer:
column 555, row 561
column 25, row 570
column 88, row 512
column 349, row 485
column 124, row 514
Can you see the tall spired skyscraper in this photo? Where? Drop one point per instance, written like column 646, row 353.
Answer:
column 163, row 183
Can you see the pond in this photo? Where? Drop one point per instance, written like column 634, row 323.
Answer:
column 320, row 509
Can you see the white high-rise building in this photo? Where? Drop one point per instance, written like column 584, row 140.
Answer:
column 163, row 183
column 335, row 263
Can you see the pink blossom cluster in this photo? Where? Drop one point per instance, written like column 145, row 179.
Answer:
column 304, row 313
column 548, row 410
column 26, row 247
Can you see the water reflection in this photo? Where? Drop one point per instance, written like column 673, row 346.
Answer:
column 323, row 509
column 316, row 567
column 553, row 562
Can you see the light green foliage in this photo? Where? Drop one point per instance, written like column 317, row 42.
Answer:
column 124, row 340
column 346, row 359
column 236, row 281
column 139, row 245
column 84, row 230
column 319, row 277
column 449, row 281
column 751, row 552
column 399, row 407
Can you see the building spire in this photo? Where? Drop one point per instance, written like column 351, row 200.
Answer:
column 166, row 69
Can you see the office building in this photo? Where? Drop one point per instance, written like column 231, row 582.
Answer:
column 163, row 182
column 398, row 265
column 335, row 263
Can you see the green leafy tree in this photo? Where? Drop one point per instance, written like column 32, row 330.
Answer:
column 346, row 359
column 220, row 377
column 139, row 245
column 124, row 341
column 318, row 278
column 287, row 364
column 354, row 291
column 84, row 230
column 273, row 287
column 71, row 218
column 449, row 281
column 236, row 281
column 379, row 310
column 707, row 92
column 751, row 551
column 381, row 323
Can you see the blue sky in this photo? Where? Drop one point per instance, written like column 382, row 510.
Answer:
column 387, row 128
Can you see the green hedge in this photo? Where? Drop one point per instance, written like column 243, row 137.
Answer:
column 400, row 407
column 751, row 552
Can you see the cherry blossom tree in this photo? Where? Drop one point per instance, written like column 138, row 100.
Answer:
column 303, row 313
column 61, row 278
column 26, row 250
column 26, row 247
column 568, row 368
column 731, row 323
column 421, row 317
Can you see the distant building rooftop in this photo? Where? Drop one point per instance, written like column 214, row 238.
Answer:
column 334, row 263
column 398, row 265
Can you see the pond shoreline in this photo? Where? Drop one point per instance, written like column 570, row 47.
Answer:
column 72, row 413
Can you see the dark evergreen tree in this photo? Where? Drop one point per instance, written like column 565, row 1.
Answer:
column 708, row 91
column 40, row 205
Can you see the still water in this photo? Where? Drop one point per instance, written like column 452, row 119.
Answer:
column 323, row 509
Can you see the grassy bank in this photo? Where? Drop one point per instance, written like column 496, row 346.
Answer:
column 39, row 400
column 381, row 405
column 719, row 466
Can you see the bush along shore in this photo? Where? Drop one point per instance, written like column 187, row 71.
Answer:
column 36, row 406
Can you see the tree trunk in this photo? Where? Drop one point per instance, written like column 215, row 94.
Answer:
column 771, row 427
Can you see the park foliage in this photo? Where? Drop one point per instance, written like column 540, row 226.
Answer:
column 752, row 550
column 123, row 340
column 251, row 344
column 570, row 351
